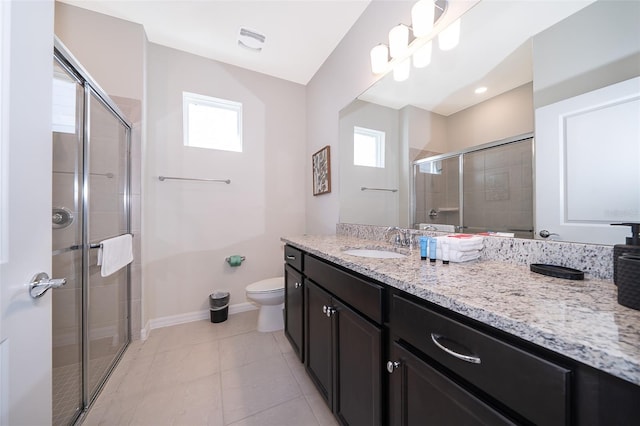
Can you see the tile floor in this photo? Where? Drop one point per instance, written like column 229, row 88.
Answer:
column 202, row 373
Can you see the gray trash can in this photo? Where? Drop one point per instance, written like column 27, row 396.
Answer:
column 219, row 306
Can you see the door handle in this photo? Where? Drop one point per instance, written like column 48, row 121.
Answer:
column 41, row 283
column 546, row 234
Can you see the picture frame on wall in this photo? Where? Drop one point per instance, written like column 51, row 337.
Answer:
column 321, row 163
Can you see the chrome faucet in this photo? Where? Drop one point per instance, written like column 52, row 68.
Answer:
column 403, row 237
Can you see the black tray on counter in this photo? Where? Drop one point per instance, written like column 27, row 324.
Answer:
column 557, row 271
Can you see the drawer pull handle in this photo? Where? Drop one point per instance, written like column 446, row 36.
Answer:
column 392, row 365
column 291, row 257
column 467, row 358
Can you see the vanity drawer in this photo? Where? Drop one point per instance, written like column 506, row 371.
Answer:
column 293, row 257
column 535, row 388
column 362, row 295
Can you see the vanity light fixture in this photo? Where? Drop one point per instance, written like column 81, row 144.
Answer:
column 422, row 15
column 402, row 70
column 379, row 58
column 398, row 54
column 398, row 41
column 450, row 36
column 422, row 56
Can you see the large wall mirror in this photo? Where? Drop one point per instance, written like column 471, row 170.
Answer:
column 530, row 57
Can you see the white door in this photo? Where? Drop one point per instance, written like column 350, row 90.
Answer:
column 588, row 165
column 26, row 49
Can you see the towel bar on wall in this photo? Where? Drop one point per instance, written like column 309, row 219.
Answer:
column 163, row 178
column 79, row 246
column 364, row 188
column 97, row 245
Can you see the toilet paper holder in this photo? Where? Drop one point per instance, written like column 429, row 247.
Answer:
column 235, row 260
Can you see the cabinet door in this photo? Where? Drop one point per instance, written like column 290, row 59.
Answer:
column 357, row 368
column 419, row 395
column 293, row 313
column 319, row 347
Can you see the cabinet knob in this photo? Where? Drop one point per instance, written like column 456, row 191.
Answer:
column 297, row 285
column 328, row 310
column 392, row 365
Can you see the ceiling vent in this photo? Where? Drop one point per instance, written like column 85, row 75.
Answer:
column 251, row 40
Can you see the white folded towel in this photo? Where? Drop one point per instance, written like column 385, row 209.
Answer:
column 461, row 249
column 463, row 256
column 463, row 242
column 115, row 253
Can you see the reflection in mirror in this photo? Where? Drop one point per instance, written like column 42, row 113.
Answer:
column 574, row 48
column 485, row 189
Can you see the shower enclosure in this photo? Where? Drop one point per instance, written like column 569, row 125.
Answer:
column 484, row 188
column 91, row 152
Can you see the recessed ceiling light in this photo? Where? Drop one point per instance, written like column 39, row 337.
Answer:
column 480, row 90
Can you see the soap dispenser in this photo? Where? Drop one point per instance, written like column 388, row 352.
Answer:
column 631, row 247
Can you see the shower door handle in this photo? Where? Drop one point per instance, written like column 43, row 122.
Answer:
column 41, row 283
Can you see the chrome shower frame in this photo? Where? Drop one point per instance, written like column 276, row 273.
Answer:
column 91, row 88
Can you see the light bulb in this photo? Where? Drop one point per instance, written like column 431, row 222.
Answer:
column 450, row 36
column 422, row 15
column 379, row 58
column 398, row 40
column 422, row 56
column 402, row 70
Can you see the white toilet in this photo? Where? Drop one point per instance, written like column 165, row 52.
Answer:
column 269, row 294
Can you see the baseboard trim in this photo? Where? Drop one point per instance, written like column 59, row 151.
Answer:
column 170, row 320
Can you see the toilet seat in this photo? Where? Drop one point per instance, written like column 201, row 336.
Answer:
column 270, row 285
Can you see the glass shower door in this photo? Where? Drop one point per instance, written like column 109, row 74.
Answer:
column 106, row 178
column 67, row 245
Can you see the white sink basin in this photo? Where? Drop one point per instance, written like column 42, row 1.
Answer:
column 378, row 254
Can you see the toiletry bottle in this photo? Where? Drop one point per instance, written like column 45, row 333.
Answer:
column 445, row 251
column 632, row 246
column 423, row 247
column 433, row 243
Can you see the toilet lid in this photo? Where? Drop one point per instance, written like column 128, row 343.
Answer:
column 266, row 286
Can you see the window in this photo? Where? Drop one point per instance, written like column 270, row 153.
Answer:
column 368, row 147
column 64, row 105
column 212, row 123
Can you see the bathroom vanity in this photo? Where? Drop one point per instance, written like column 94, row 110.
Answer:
column 404, row 341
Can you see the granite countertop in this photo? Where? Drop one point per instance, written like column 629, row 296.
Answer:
column 578, row 319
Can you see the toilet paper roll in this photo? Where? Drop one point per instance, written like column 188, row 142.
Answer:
column 235, row 260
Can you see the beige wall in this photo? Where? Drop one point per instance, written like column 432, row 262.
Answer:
column 596, row 47
column 503, row 116
column 186, row 231
column 342, row 77
column 371, row 207
column 191, row 227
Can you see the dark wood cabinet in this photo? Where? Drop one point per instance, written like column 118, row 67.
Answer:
column 294, row 311
column 533, row 389
column 319, row 340
column 343, row 357
column 421, row 395
column 358, row 372
column 379, row 355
